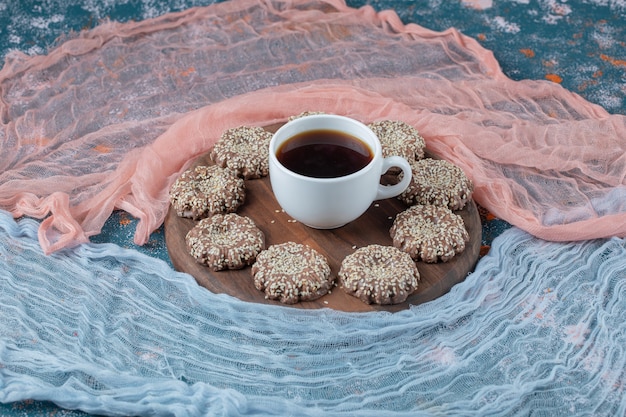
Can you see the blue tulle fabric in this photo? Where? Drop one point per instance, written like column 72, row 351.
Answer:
column 538, row 329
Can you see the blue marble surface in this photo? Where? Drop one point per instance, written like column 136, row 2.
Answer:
column 579, row 44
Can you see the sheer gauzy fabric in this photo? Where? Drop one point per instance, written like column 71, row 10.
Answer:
column 115, row 332
column 111, row 116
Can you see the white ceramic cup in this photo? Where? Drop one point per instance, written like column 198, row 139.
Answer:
column 328, row 203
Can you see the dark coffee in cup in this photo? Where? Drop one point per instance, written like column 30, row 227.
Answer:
column 324, row 154
column 342, row 177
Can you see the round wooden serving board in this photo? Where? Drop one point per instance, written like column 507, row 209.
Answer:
column 372, row 227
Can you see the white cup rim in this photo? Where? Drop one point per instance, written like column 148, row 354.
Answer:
column 374, row 145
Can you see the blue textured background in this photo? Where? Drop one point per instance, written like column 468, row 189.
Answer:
column 580, row 44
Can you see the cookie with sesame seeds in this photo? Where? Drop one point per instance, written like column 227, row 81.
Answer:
column 304, row 114
column 378, row 274
column 438, row 182
column 206, row 190
column 225, row 241
column 243, row 149
column 291, row 272
column 399, row 138
column 429, row 233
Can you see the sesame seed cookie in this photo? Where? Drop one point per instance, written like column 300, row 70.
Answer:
column 225, row 241
column 429, row 233
column 379, row 275
column 244, row 150
column 304, row 114
column 207, row 190
column 439, row 183
column 399, row 138
column 291, row 272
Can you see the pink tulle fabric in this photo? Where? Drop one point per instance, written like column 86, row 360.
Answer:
column 110, row 117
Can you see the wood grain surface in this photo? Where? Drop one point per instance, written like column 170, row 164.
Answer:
column 372, row 227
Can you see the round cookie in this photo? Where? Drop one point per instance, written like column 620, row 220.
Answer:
column 304, row 114
column 429, row 233
column 207, row 190
column 379, row 274
column 292, row 272
column 244, row 150
column 399, row 138
column 225, row 241
column 439, row 183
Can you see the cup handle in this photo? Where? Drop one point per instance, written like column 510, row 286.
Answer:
column 388, row 191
